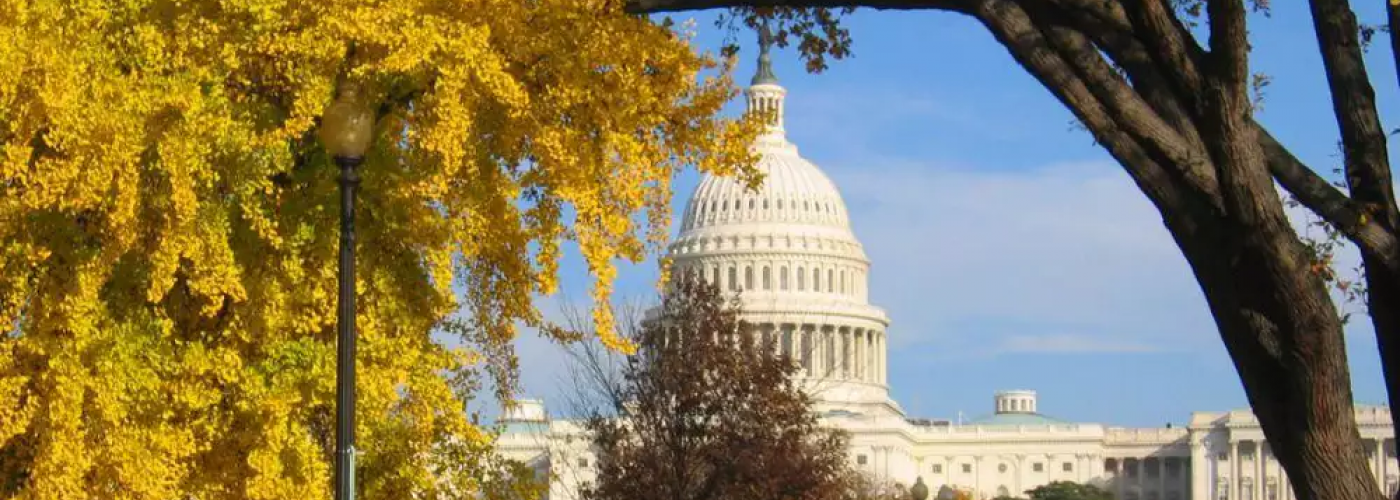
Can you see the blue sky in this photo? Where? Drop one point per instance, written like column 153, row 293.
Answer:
column 1009, row 251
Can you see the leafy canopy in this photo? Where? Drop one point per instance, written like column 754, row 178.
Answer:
column 168, row 226
column 703, row 389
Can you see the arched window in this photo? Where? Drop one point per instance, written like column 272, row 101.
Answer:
column 830, row 283
column 767, row 279
column 765, row 203
column 750, row 203
column 714, row 277
column 801, row 279
column 733, row 279
column 748, row 278
column 780, row 204
column 843, row 281
column 1001, row 490
column 782, row 277
column 816, row 280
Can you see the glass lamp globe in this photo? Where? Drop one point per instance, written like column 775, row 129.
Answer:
column 347, row 126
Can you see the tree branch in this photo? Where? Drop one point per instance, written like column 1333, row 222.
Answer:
column 1229, row 45
column 1354, row 105
column 1014, row 28
column 1169, row 44
column 1327, row 202
column 659, row 6
column 1128, row 109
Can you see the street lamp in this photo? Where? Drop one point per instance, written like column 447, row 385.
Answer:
column 346, row 130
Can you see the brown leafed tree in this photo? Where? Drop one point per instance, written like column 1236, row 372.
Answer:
column 1175, row 110
column 707, row 413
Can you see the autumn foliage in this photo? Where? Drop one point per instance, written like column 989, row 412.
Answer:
column 168, row 226
column 707, row 412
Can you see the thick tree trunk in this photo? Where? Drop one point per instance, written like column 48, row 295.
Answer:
column 1287, row 345
column 1367, row 169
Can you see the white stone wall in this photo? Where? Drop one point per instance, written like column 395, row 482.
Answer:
column 1215, row 458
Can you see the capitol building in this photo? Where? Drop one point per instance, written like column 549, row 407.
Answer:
column 789, row 247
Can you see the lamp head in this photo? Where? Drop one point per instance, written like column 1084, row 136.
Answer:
column 347, row 126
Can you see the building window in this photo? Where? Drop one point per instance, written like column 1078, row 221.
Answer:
column 733, row 279
column 1038, row 467
column 967, row 468
column 1222, row 457
column 782, row 277
column 1222, row 490
column 937, row 468
column 767, row 278
column 583, row 463
column 816, row 280
column 801, row 278
column 830, row 283
column 860, row 459
column 1001, row 468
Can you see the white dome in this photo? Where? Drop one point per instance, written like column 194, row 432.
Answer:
column 787, row 248
column 793, row 192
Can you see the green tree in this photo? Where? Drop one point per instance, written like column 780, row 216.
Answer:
column 1165, row 87
column 1068, row 490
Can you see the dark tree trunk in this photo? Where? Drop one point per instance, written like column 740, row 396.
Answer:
column 1367, row 170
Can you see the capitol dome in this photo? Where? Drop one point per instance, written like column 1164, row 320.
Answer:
column 788, row 251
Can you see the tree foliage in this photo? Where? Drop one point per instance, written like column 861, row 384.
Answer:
column 1165, row 86
column 1068, row 490
column 708, row 412
column 168, row 226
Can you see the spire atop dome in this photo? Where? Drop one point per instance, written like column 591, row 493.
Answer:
column 764, row 93
column 764, row 75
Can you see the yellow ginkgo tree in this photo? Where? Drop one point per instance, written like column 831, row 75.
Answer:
column 168, row 226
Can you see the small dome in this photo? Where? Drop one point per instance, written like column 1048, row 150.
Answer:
column 1015, row 419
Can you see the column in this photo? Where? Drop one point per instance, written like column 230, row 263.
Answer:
column 858, row 351
column 1260, row 471
column 1234, row 469
column 795, row 344
column 1199, row 481
column 884, row 355
column 1380, row 463
column 846, row 337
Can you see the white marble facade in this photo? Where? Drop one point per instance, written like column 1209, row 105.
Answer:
column 790, row 249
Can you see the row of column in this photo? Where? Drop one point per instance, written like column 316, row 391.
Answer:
column 825, row 351
column 1141, row 487
column 1265, row 479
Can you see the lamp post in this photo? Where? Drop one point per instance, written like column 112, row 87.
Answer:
column 346, row 129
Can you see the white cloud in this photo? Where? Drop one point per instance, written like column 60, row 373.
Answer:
column 978, row 259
